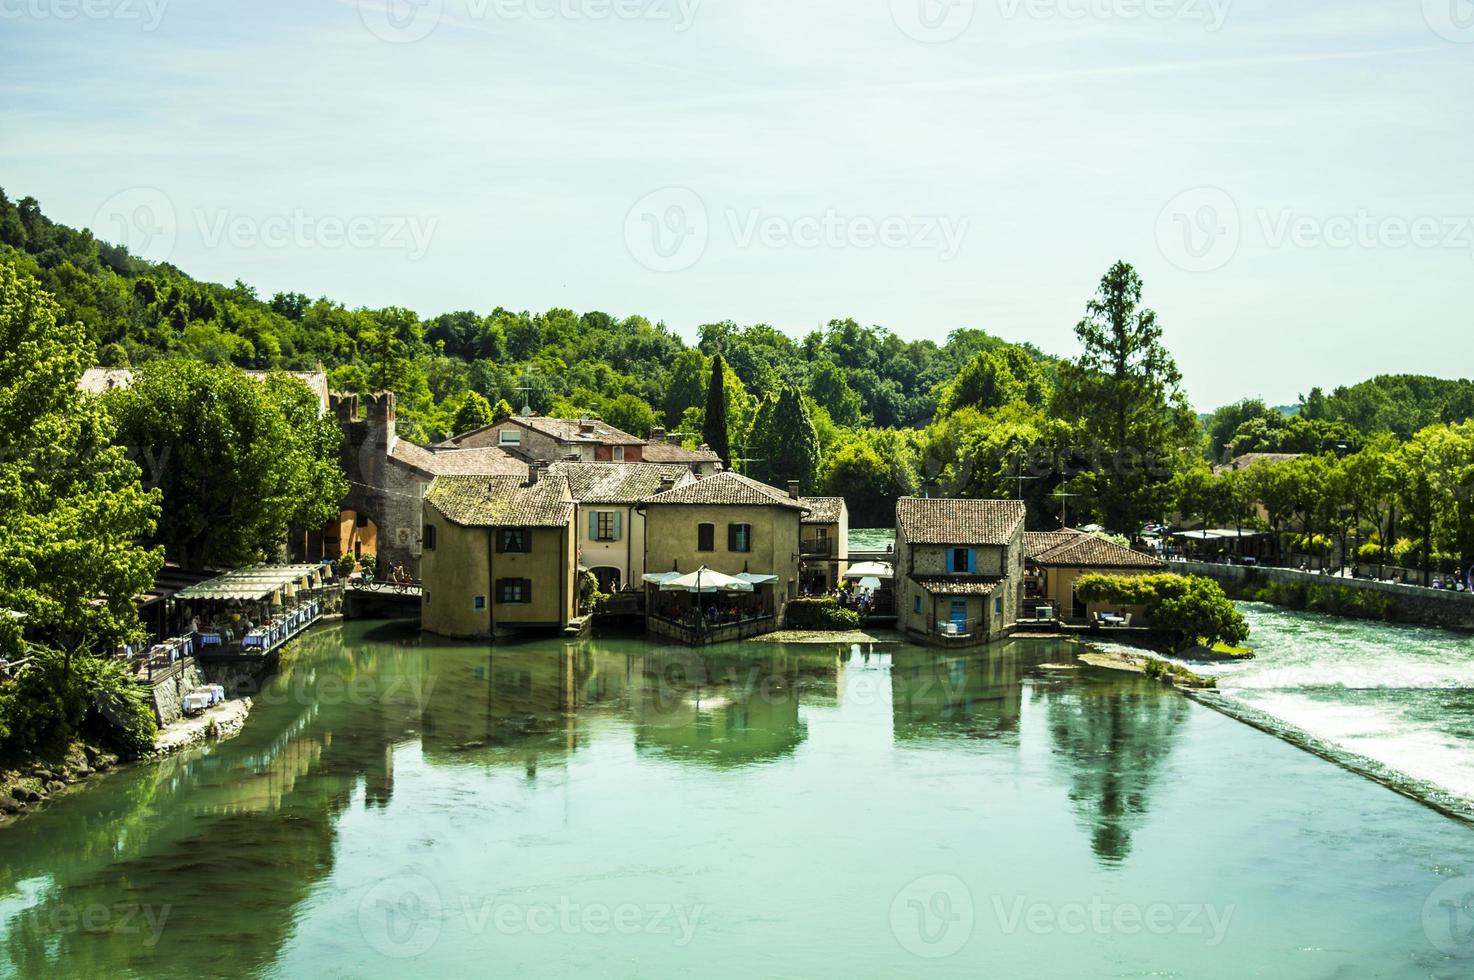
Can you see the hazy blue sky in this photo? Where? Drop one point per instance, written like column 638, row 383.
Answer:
column 1291, row 178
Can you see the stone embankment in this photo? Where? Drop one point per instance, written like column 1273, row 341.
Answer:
column 30, row 785
column 224, row 720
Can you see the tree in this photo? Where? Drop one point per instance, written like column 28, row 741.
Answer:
column 239, row 461
column 995, row 378
column 830, row 390
column 72, row 507
column 687, row 386
column 782, row 442
column 1127, row 392
column 714, row 425
column 857, row 473
column 473, row 413
column 1223, row 424
column 1195, row 608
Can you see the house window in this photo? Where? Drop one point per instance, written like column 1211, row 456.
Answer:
column 509, row 438
column 361, row 520
column 478, row 603
column 514, row 541
column 917, row 604
column 962, row 560
column 619, row 454
column 606, row 526
column 706, row 537
column 998, row 606
column 514, row 591
column 429, row 541
column 739, row 537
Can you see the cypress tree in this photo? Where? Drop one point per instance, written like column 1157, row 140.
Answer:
column 714, row 429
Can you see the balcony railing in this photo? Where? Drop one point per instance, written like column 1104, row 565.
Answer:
column 817, row 547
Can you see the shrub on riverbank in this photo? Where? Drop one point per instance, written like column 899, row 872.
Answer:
column 820, row 615
column 56, row 697
column 1196, row 608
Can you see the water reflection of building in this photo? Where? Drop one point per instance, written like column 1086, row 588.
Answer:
column 1112, row 744
column 976, row 695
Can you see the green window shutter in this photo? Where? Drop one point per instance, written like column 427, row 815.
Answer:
column 618, row 526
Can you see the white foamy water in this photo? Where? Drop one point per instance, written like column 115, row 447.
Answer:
column 1400, row 696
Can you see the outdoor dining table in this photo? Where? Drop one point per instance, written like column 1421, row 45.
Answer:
column 211, row 640
column 257, row 638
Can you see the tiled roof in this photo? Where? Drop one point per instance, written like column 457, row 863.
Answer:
column 502, row 501
column 823, row 510
column 728, row 488
column 959, row 522
column 667, row 452
column 571, row 430
column 619, row 483
column 458, row 462
column 1253, row 459
column 1081, row 550
column 957, row 584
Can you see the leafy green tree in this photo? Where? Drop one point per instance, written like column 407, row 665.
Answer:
column 714, row 423
column 830, row 390
column 631, row 414
column 995, row 378
column 687, row 386
column 1195, row 608
column 72, row 507
column 856, row 472
column 1126, row 391
column 473, row 413
column 239, row 462
column 1221, row 427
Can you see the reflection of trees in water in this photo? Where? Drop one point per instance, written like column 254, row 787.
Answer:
column 1113, row 741
column 938, row 695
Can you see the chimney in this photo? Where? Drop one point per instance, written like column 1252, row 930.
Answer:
column 585, row 427
column 667, row 484
column 673, row 439
column 657, row 434
column 535, row 472
column 793, row 489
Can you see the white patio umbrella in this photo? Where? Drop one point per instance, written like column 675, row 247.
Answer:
column 705, row 580
column 871, row 569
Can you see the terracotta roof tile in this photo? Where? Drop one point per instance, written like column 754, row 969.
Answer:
column 1081, row 550
column 458, row 462
column 665, row 452
column 619, row 483
column 728, row 488
column 957, row 584
column 502, row 501
column 823, row 510
column 959, row 522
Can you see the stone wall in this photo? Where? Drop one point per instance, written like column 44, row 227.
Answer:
column 1405, row 603
column 170, row 687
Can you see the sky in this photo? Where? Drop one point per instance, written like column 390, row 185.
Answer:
column 1291, row 179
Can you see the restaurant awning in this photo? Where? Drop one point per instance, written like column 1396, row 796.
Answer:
column 254, row 584
column 705, row 580
column 871, row 569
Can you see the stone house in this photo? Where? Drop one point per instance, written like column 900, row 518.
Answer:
column 537, row 439
column 959, row 568
column 387, row 481
column 500, row 555
column 1055, row 561
column 734, row 525
column 825, row 543
column 611, row 527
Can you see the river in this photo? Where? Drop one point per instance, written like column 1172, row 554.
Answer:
column 614, row 808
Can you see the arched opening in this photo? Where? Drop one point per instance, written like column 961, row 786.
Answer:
column 608, row 579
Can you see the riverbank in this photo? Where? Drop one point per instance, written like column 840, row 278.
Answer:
column 1166, row 671
column 223, row 721
column 26, row 785
column 821, row 637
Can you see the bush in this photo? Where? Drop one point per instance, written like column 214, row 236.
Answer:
column 821, row 615
column 50, row 702
column 370, row 563
column 346, row 565
column 1197, row 608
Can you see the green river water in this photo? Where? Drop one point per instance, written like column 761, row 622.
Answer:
column 398, row 806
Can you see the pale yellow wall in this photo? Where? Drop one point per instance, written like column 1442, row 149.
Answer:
column 458, row 570
column 453, row 574
column 626, row 554
column 670, row 536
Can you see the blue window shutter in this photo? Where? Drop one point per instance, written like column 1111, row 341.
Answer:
column 593, row 525
column 972, row 561
column 618, row 526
